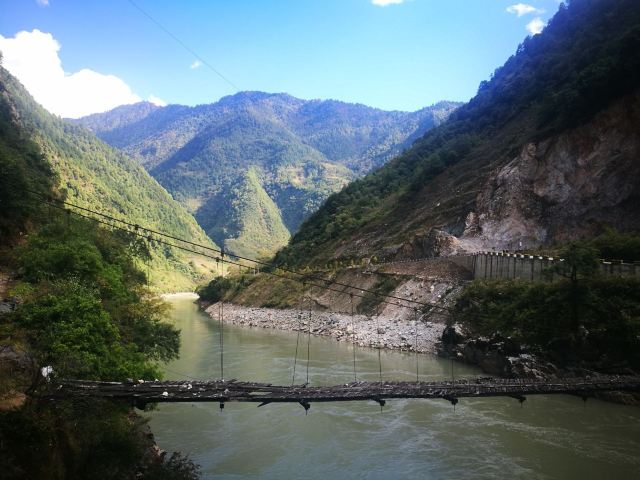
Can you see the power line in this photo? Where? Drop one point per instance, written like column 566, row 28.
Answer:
column 305, row 276
column 184, row 45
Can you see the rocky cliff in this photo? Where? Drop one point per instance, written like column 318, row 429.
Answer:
column 565, row 186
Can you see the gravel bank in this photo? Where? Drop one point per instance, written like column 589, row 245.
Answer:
column 392, row 332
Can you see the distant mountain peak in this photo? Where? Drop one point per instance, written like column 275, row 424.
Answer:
column 297, row 152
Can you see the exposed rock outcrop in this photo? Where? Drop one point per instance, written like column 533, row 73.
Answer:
column 565, row 186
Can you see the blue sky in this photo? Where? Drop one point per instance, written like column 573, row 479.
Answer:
column 404, row 55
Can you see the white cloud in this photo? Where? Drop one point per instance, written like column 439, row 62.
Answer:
column 156, row 101
column 535, row 26
column 33, row 58
column 43, row 3
column 195, row 64
column 384, row 3
column 521, row 9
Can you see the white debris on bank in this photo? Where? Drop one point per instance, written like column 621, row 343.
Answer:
column 396, row 331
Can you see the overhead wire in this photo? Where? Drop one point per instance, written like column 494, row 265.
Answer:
column 184, row 45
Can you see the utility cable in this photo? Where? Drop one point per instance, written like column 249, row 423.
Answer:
column 185, row 46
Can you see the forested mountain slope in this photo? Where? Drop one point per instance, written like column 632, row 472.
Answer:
column 299, row 153
column 94, row 175
column 546, row 151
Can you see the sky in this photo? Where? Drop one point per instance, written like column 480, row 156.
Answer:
column 78, row 57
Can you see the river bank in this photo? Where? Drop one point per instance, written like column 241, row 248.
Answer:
column 387, row 331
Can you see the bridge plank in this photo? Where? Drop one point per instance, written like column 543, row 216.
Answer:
column 238, row 391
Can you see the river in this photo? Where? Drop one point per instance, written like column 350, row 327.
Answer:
column 546, row 437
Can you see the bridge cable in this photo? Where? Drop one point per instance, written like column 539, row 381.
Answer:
column 179, row 247
column 379, row 343
column 149, row 262
column 54, row 202
column 221, row 317
column 453, row 378
column 308, row 342
column 353, row 340
column 415, row 324
column 295, row 357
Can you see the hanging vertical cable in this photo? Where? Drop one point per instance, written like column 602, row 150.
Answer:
column 353, row 331
column 308, row 340
column 379, row 344
column 453, row 378
column 295, row 357
column 150, row 246
column 221, row 316
column 415, row 326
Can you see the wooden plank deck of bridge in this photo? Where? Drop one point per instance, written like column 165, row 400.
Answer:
column 263, row 393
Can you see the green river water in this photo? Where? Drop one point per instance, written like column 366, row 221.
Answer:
column 548, row 437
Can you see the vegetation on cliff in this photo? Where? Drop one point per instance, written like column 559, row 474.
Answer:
column 85, row 312
column 583, row 319
column 93, row 175
column 77, row 303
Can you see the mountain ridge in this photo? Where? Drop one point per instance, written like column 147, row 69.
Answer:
column 301, row 151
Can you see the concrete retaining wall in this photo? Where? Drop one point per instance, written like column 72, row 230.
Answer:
column 491, row 265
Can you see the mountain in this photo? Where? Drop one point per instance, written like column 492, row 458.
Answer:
column 547, row 151
column 94, row 175
column 298, row 153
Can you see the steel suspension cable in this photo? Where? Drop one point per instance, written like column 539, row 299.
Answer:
column 230, row 262
column 415, row 324
column 295, row 357
column 353, row 340
column 221, row 316
column 135, row 226
column 308, row 341
column 379, row 343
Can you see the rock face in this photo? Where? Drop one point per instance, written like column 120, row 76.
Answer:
column 564, row 186
column 495, row 355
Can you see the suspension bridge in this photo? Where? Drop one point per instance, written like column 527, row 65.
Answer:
column 221, row 391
